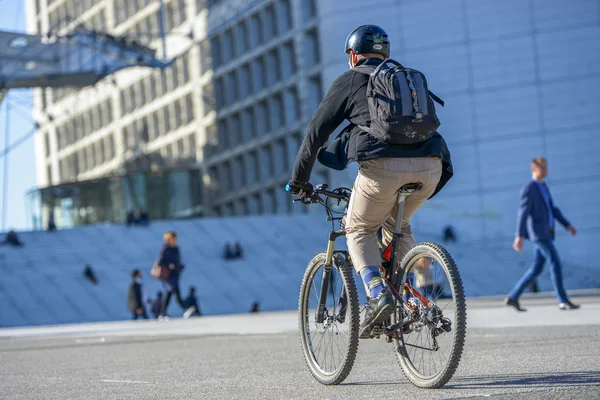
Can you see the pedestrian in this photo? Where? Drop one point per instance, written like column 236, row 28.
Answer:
column 536, row 222
column 136, row 297
column 170, row 258
column 157, row 304
column 237, row 250
column 228, row 252
column 12, row 239
column 192, row 301
column 449, row 236
column 51, row 223
column 89, row 274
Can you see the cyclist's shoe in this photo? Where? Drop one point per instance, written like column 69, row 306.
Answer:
column 378, row 309
column 188, row 313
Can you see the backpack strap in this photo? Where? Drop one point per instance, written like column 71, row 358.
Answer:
column 436, row 99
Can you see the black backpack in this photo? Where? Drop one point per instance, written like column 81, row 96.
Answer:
column 400, row 104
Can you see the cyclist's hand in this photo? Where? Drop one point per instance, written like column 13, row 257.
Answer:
column 300, row 189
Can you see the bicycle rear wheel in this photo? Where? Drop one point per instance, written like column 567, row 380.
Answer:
column 430, row 344
column 330, row 346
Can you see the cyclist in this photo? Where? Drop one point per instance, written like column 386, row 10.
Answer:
column 383, row 168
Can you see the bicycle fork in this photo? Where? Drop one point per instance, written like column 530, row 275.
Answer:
column 325, row 282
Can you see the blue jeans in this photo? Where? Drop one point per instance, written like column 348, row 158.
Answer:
column 544, row 250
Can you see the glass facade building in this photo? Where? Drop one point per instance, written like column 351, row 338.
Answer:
column 169, row 194
column 233, row 105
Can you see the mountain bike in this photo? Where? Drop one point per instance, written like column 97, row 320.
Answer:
column 428, row 326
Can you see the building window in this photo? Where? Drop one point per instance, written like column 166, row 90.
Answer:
column 309, row 9
column 269, row 23
column 208, row 98
column 265, row 163
column 189, row 109
column 237, row 90
column 250, row 168
column 215, row 51
column 166, row 119
column 234, row 130
column 205, row 56
column 276, row 112
column 311, row 49
column 261, row 118
column 228, row 43
column 254, row 205
column 244, row 81
column 293, row 145
column 248, row 125
column 99, row 150
column 291, row 106
column 256, row 37
column 288, row 62
column 237, row 173
column 180, row 148
column 241, row 207
column 284, row 16
column 279, row 157
column 224, row 177
column 229, row 89
column 158, row 130
column 314, row 93
column 273, row 67
column 192, row 146
column 183, row 68
column 90, row 158
column 212, row 140
column 242, row 39
column 258, row 73
column 47, row 144
column 219, row 93
column 223, row 143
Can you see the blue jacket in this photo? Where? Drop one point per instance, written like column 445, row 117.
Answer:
column 533, row 218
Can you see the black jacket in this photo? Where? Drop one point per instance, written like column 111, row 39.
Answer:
column 134, row 297
column 347, row 100
column 170, row 255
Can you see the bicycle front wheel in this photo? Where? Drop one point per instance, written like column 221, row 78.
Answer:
column 329, row 340
column 430, row 344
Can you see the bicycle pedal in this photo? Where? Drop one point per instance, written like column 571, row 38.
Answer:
column 377, row 331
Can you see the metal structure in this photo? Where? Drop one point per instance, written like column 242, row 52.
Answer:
column 79, row 58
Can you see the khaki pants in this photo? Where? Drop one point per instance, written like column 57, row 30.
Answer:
column 374, row 203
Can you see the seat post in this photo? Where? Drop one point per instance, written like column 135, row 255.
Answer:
column 398, row 226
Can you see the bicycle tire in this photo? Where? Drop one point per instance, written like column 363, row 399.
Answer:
column 437, row 252
column 352, row 314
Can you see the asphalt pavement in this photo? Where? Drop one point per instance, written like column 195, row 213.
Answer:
column 544, row 353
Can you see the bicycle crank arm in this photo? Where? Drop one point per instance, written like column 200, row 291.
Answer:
column 394, row 327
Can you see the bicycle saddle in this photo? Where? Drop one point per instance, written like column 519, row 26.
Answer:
column 411, row 187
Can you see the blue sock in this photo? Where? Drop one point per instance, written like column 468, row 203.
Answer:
column 373, row 280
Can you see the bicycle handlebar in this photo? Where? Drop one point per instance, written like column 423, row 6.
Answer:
column 322, row 190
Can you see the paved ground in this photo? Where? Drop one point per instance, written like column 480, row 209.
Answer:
column 544, row 353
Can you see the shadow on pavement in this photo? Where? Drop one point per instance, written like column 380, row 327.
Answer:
column 561, row 379
column 546, row 380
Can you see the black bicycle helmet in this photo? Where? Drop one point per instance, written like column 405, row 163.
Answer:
column 368, row 39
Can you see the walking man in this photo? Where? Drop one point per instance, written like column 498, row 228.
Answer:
column 536, row 222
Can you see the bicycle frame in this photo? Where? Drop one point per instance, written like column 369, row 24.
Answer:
column 390, row 255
